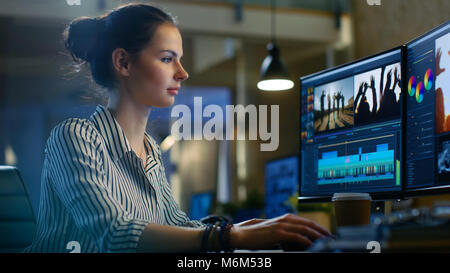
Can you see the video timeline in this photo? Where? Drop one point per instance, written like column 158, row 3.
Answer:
column 365, row 160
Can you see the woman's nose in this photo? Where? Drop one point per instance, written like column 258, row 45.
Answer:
column 181, row 75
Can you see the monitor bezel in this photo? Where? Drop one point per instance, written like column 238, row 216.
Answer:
column 376, row 196
column 428, row 33
column 426, row 191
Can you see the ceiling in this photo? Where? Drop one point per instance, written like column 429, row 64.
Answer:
column 33, row 53
column 317, row 5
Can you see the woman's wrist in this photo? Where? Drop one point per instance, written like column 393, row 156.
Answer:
column 217, row 237
column 235, row 237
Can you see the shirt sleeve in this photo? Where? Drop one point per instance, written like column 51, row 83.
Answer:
column 174, row 215
column 77, row 168
column 178, row 216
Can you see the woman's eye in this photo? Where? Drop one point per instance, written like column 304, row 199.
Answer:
column 166, row 59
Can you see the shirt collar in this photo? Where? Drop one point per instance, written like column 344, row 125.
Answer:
column 115, row 138
column 111, row 131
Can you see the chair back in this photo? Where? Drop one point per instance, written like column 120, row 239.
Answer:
column 17, row 218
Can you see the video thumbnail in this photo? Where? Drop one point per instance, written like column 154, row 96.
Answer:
column 442, row 97
column 377, row 94
column 443, row 159
column 333, row 105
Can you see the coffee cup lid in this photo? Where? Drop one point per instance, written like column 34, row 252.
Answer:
column 351, row 196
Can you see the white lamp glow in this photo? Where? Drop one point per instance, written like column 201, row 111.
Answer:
column 275, row 85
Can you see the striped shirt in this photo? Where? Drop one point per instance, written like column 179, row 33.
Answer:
column 96, row 192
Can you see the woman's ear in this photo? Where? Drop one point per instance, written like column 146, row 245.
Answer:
column 121, row 61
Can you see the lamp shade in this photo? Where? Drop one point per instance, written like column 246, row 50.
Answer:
column 274, row 76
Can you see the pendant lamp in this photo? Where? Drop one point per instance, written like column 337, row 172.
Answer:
column 274, row 76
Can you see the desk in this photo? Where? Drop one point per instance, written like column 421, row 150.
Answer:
column 433, row 236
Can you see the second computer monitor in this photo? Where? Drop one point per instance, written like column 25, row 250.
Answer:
column 428, row 112
column 351, row 128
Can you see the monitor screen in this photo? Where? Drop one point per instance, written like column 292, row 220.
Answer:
column 428, row 110
column 281, row 184
column 351, row 128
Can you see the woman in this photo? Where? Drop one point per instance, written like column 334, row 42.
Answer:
column 103, row 182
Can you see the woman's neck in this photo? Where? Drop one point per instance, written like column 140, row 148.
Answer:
column 132, row 118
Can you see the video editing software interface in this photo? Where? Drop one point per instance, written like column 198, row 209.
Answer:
column 351, row 127
column 428, row 110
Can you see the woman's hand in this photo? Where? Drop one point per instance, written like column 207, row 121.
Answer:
column 287, row 231
column 250, row 222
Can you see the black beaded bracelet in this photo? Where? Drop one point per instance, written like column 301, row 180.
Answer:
column 205, row 238
column 224, row 236
column 227, row 240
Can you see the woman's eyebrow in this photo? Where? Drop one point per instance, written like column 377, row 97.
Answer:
column 170, row 51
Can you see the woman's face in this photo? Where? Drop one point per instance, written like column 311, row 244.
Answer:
column 156, row 75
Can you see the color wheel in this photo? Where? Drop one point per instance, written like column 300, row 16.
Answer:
column 428, row 79
column 420, row 90
column 412, row 86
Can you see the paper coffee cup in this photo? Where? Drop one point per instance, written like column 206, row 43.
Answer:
column 351, row 208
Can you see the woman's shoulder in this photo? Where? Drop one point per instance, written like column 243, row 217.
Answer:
column 75, row 129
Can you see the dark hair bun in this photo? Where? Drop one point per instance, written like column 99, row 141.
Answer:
column 93, row 40
column 81, row 37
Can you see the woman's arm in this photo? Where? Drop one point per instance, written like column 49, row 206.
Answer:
column 76, row 168
column 287, row 230
column 160, row 238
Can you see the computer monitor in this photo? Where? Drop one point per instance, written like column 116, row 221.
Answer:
column 428, row 112
column 351, row 128
column 281, row 183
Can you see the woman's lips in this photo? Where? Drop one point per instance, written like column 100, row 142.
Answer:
column 173, row 91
